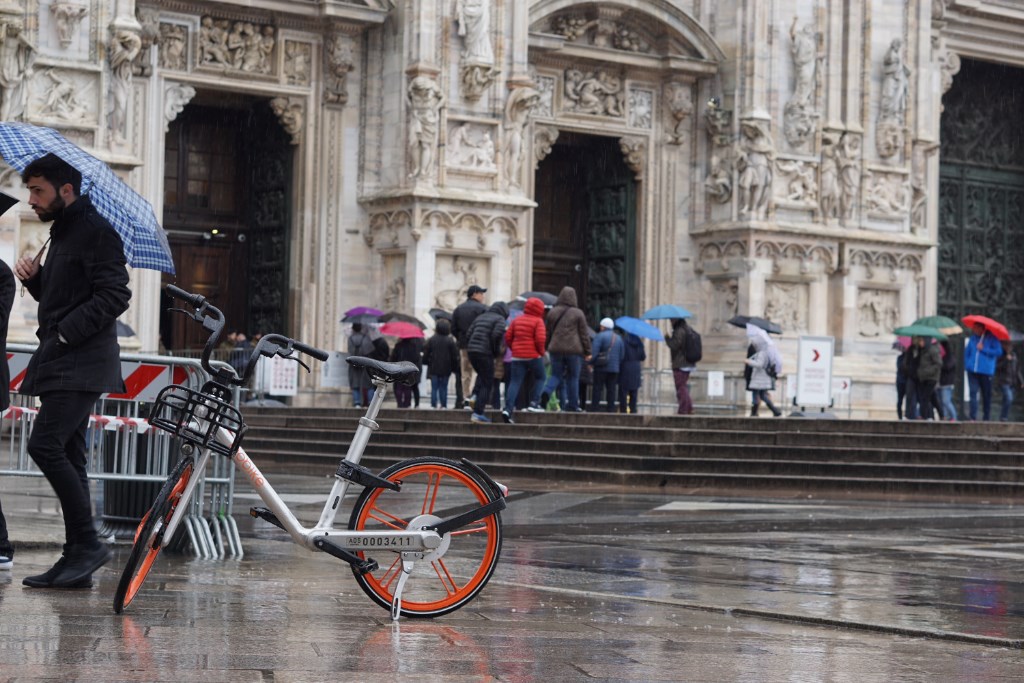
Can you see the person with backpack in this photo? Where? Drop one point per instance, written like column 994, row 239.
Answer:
column 441, row 356
column 359, row 344
column 687, row 350
column 462, row 318
column 630, row 374
column 568, row 346
column 484, row 343
column 608, row 352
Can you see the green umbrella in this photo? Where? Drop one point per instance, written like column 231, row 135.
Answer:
column 916, row 330
column 941, row 323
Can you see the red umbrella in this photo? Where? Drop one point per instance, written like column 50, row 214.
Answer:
column 402, row 330
column 998, row 330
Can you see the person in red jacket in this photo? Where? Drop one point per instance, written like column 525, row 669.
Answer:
column 526, row 337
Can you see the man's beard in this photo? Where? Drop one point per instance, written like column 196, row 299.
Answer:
column 53, row 211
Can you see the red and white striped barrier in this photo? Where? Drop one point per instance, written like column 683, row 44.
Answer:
column 142, row 381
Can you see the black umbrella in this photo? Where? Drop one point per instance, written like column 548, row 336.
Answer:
column 440, row 313
column 6, row 202
column 395, row 316
column 766, row 325
column 548, row 298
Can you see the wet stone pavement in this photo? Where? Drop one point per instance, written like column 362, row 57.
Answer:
column 592, row 586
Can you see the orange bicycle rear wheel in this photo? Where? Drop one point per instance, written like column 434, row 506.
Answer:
column 149, row 535
column 445, row 580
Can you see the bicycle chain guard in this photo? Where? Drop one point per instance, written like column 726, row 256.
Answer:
column 196, row 416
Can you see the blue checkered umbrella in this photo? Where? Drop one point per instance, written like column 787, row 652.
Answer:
column 145, row 242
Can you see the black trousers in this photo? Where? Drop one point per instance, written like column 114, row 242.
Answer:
column 57, row 446
column 484, row 366
column 5, row 542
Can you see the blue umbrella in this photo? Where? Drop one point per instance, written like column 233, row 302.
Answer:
column 639, row 328
column 145, row 242
column 665, row 311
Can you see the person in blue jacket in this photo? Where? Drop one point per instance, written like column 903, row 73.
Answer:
column 980, row 362
column 606, row 365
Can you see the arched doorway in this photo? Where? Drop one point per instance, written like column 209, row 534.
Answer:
column 585, row 225
column 226, row 189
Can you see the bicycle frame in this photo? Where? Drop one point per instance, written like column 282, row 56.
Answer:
column 411, row 541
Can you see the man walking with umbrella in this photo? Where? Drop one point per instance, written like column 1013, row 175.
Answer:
column 81, row 290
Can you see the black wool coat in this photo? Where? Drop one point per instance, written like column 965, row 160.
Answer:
column 81, row 288
column 7, row 289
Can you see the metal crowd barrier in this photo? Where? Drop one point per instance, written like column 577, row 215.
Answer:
column 130, row 459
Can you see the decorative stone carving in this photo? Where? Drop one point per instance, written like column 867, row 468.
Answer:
column 872, row 260
column 626, row 38
column 878, row 312
column 718, row 123
column 544, row 138
column 61, row 99
column 66, row 18
column 173, row 41
column 725, row 294
column 602, row 31
column 546, row 87
column 805, row 253
column 829, row 186
column 799, row 185
column 453, row 276
column 786, row 304
column 392, row 222
column 149, row 20
column 338, row 62
column 290, row 111
column 848, row 157
column 641, row 104
column 887, row 194
column 176, row 96
column 17, row 56
column 718, row 183
column 394, row 294
column 889, row 133
column 570, row 27
column 246, row 47
column 425, row 101
column 598, row 93
column 125, row 46
column 297, row 62
column 634, row 152
column 949, row 66
column 720, row 255
column 754, row 155
column 471, row 147
column 476, row 78
column 919, row 184
column 799, row 115
column 679, row 99
column 474, row 19
column 518, row 108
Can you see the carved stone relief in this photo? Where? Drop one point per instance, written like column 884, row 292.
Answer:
column 454, row 224
column 544, row 138
column 425, row 101
column 634, row 153
column 62, row 96
column 518, row 109
column 718, row 183
column 124, row 47
column 718, row 256
column 724, row 302
column 297, row 62
column 829, row 186
column 598, row 93
column 393, row 223
column 919, row 184
column 679, row 100
column 66, row 18
column 17, row 57
column 804, row 253
column 754, row 156
column 718, row 123
column 471, row 147
column 176, row 96
column 878, row 312
column 848, row 159
column 239, row 46
column 887, row 194
column 546, row 87
column 476, row 78
column 889, row 262
column 786, row 303
column 604, row 31
column 173, row 45
column 889, row 133
column 338, row 62
column 796, row 184
column 290, row 111
column 394, row 292
column 799, row 116
column 149, row 20
column 641, row 105
column 453, row 276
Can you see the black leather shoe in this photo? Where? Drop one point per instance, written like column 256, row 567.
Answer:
column 75, row 568
column 45, row 580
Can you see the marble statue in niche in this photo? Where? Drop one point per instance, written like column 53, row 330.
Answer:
column 173, row 40
column 17, row 56
column 124, row 48
column 518, row 108
column 425, row 101
column 889, row 133
column 754, row 155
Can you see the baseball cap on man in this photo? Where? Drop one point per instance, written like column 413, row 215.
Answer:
column 475, row 289
column 607, row 323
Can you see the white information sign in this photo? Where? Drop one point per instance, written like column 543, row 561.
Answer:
column 716, row 383
column 334, row 372
column 278, row 377
column 814, row 371
column 842, row 386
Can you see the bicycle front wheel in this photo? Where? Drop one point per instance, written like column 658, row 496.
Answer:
column 441, row 582
column 149, row 535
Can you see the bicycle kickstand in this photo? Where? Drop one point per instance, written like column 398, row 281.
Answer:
column 396, row 603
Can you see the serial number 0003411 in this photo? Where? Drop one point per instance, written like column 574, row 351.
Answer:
column 379, row 542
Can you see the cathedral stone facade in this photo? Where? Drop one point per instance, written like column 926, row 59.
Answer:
column 764, row 157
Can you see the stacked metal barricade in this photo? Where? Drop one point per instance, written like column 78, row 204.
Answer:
column 128, row 458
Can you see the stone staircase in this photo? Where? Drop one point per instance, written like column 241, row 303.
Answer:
column 691, row 454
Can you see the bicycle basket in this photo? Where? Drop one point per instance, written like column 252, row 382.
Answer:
column 196, row 418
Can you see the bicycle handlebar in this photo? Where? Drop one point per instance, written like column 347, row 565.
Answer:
column 269, row 345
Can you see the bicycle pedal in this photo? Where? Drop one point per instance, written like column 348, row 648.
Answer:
column 359, row 564
column 265, row 514
column 366, row 566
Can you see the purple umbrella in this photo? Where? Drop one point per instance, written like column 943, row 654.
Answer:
column 362, row 314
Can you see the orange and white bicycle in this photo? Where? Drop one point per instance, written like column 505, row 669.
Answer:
column 435, row 521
